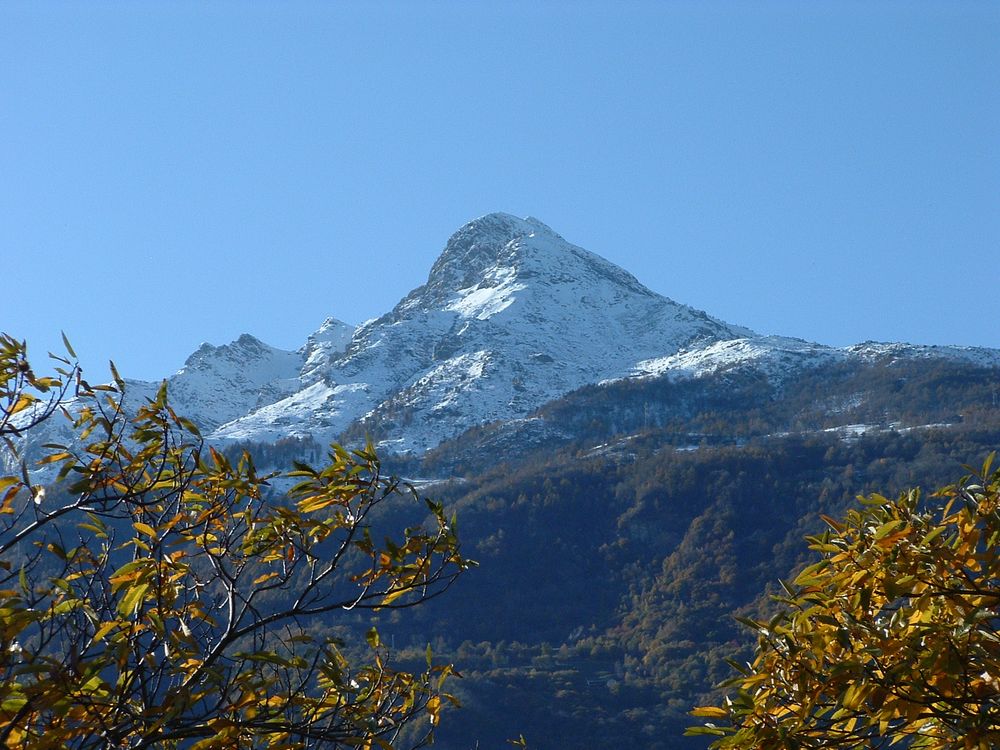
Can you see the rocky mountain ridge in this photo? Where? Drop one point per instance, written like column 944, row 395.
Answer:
column 511, row 317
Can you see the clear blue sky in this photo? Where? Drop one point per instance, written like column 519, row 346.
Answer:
column 172, row 173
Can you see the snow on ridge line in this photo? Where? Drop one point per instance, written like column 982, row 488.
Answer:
column 976, row 355
column 511, row 317
column 777, row 356
column 329, row 340
column 772, row 354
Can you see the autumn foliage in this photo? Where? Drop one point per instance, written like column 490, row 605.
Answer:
column 160, row 594
column 891, row 637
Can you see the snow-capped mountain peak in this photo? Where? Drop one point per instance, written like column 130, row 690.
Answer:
column 512, row 315
column 221, row 383
column 327, row 341
column 217, row 384
column 494, row 249
column 477, row 247
column 245, row 349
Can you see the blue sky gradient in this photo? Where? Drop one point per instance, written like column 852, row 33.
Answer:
column 181, row 172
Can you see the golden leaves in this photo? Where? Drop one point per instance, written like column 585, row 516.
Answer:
column 185, row 585
column 892, row 633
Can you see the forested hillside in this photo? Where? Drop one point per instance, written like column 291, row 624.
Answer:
column 620, row 529
column 730, row 407
column 628, row 523
column 603, row 607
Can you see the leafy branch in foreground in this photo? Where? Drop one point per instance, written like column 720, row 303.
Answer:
column 27, row 400
column 891, row 637
column 160, row 596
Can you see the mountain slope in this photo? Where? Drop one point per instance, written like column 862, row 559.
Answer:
column 512, row 315
column 220, row 383
column 215, row 385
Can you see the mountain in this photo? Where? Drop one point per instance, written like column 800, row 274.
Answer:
column 779, row 357
column 511, row 316
column 328, row 341
column 216, row 385
column 252, row 372
column 630, row 472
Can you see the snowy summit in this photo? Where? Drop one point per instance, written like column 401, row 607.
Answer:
column 511, row 316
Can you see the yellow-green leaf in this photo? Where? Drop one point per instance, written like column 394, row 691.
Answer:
column 711, row 712
column 132, row 599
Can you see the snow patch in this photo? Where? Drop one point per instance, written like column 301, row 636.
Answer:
column 492, row 296
column 775, row 356
column 975, row 355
